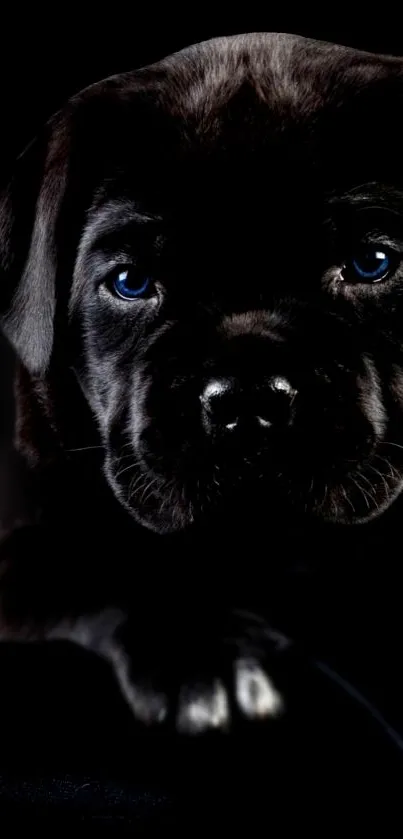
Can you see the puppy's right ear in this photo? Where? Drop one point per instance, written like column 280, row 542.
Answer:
column 30, row 207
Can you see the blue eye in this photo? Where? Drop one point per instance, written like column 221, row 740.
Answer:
column 370, row 266
column 130, row 284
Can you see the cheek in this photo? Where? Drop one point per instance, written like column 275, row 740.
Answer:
column 370, row 398
column 138, row 414
column 105, row 387
column 110, row 351
column 123, row 412
column 396, row 386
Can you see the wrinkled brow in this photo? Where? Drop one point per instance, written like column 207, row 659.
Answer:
column 112, row 217
column 373, row 195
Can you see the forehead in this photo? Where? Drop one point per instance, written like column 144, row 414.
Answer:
column 275, row 116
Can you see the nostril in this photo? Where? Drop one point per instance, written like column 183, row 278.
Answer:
column 230, row 426
column 215, row 390
column 275, row 405
column 279, row 384
column 263, row 422
column 220, row 403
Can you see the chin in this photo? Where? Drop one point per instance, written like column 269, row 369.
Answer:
column 168, row 503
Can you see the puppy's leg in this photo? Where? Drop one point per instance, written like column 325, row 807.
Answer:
column 50, row 593
column 44, row 596
column 196, row 670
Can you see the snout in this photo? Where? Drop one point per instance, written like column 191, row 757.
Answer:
column 230, row 407
column 252, row 418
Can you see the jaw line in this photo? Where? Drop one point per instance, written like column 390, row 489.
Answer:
column 151, row 486
column 392, row 488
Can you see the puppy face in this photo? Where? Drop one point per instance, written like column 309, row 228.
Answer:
column 227, row 243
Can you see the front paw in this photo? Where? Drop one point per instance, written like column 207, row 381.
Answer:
column 212, row 688
column 250, row 693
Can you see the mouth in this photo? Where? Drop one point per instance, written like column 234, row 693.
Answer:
column 350, row 491
column 366, row 490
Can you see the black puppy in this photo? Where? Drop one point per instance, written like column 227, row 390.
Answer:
column 201, row 272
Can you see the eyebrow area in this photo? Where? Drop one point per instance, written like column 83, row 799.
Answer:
column 372, row 195
column 110, row 225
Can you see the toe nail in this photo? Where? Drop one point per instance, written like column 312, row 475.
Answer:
column 255, row 693
column 203, row 710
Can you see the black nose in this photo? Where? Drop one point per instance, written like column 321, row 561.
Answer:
column 226, row 406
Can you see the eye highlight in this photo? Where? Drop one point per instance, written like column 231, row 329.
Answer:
column 370, row 264
column 130, row 283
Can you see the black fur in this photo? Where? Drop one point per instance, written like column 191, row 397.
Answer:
column 240, row 175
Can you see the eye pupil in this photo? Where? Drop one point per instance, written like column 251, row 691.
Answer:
column 130, row 284
column 370, row 265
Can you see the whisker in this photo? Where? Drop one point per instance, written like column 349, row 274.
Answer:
column 381, row 476
column 364, row 478
column 349, row 501
column 123, row 458
column 126, row 469
column 147, row 491
column 393, row 472
column 84, row 449
column 388, row 443
column 136, row 485
column 362, row 491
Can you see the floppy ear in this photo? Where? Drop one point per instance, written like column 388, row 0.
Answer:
column 29, row 210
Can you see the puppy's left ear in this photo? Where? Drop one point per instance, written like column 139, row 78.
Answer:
column 30, row 209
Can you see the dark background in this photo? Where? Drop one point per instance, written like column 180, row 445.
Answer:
column 43, row 60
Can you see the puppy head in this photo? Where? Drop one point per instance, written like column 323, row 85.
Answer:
column 215, row 246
